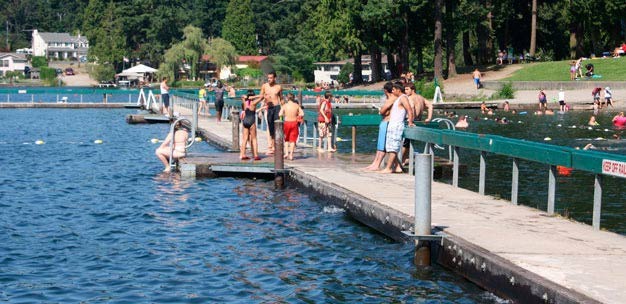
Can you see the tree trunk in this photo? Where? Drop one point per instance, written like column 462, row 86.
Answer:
column 489, row 53
column 375, row 63
column 358, row 69
column 391, row 64
column 533, row 29
column 450, row 38
column 438, row 64
column 420, row 60
column 404, row 46
column 467, row 56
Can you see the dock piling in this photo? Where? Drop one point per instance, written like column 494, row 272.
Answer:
column 235, row 121
column 423, row 183
column 279, row 160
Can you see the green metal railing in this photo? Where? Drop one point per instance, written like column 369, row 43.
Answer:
column 597, row 163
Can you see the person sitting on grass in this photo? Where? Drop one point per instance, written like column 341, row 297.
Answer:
column 179, row 140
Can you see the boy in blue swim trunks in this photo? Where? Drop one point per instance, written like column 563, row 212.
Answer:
column 382, row 130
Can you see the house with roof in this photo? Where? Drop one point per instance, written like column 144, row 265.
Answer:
column 328, row 71
column 59, row 45
column 12, row 62
column 257, row 62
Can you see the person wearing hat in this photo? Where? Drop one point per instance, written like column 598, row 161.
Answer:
column 608, row 97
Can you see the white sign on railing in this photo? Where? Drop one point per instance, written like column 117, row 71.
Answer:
column 614, row 168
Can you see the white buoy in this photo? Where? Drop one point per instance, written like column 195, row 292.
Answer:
column 547, row 139
column 559, row 125
column 599, row 138
column 154, row 140
column 98, row 141
column 39, row 142
column 198, row 139
column 590, row 128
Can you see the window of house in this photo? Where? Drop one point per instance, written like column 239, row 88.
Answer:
column 5, row 63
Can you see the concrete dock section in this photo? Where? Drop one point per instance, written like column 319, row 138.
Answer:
column 516, row 252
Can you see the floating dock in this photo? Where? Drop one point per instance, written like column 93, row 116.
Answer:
column 516, row 252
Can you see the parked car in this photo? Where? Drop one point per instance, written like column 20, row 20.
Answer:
column 69, row 72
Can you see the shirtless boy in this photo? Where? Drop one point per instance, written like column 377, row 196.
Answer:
column 291, row 111
column 272, row 93
column 417, row 103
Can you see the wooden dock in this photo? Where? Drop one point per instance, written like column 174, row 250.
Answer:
column 52, row 105
column 516, row 252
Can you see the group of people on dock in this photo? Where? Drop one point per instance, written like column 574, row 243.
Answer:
column 402, row 106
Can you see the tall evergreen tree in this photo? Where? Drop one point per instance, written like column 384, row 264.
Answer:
column 238, row 26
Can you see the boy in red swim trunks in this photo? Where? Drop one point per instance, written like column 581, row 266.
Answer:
column 290, row 112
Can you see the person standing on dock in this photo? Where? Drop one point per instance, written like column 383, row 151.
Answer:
column 165, row 96
column 418, row 103
column 292, row 113
column 272, row 95
column 219, row 99
column 324, row 121
column 203, row 105
column 248, row 120
column 382, row 129
column 399, row 110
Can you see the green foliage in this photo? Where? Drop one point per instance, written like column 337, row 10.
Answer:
column 39, row 61
column 250, row 72
column 14, row 74
column 344, row 73
column 293, row 58
column 184, row 56
column 108, row 45
column 47, row 73
column 222, row 52
column 506, row 91
column 426, row 89
column 238, row 27
column 103, row 72
column 188, row 84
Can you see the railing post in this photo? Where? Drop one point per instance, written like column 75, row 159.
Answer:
column 597, row 202
column 411, row 158
column 551, row 189
column 514, row 182
column 306, row 132
column 423, row 184
column 279, row 160
column 235, row 123
column 483, row 169
column 353, row 139
column 455, row 167
column 194, row 122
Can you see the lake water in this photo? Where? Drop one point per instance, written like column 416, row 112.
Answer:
column 574, row 192
column 94, row 223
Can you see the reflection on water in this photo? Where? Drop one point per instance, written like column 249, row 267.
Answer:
column 100, row 223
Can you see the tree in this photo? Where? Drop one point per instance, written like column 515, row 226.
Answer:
column 533, row 29
column 438, row 63
column 185, row 55
column 222, row 53
column 238, row 26
column 291, row 57
column 105, row 33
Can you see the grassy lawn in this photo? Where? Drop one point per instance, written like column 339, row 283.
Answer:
column 609, row 68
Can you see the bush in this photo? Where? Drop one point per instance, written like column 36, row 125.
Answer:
column 251, row 72
column 426, row 89
column 344, row 73
column 47, row 73
column 16, row 74
column 506, row 91
column 104, row 72
column 39, row 61
column 188, row 84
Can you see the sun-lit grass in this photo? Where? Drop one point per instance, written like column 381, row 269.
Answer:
column 611, row 69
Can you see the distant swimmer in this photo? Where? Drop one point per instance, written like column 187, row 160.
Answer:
column 592, row 121
column 619, row 120
column 462, row 123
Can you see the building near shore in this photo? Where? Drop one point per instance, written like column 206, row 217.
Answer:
column 59, row 45
column 328, row 71
column 12, row 62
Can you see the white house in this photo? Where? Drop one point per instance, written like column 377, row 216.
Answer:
column 59, row 45
column 327, row 71
column 242, row 63
column 12, row 62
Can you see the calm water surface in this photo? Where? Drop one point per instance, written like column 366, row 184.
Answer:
column 574, row 193
column 81, row 222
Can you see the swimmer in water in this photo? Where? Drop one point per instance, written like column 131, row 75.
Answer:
column 483, row 108
column 490, row 112
column 506, row 106
column 462, row 123
column 592, row 121
column 549, row 112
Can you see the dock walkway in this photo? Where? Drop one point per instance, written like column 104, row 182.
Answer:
column 517, row 252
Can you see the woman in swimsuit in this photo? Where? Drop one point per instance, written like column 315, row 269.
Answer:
column 248, row 118
column 180, row 142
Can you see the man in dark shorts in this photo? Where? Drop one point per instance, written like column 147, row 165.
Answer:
column 272, row 94
column 165, row 96
column 219, row 99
